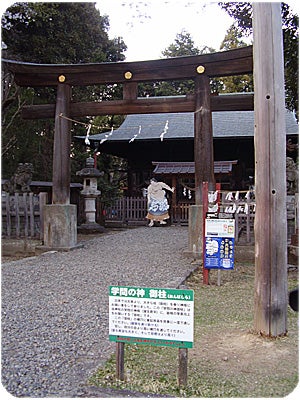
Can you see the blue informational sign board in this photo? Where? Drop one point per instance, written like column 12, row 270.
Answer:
column 219, row 243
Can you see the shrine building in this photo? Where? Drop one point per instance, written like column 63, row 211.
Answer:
column 162, row 145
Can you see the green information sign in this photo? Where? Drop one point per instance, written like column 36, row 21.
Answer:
column 151, row 316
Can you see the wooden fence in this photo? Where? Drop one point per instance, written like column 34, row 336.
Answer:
column 132, row 211
column 126, row 211
column 22, row 216
column 180, row 214
column 243, row 210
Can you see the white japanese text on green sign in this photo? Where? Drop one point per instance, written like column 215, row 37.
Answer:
column 153, row 316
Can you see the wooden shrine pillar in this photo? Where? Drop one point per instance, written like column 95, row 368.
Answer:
column 204, row 160
column 60, row 218
column 271, row 299
column 62, row 146
column 203, row 138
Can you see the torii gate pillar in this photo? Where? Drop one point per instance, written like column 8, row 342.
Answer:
column 204, row 161
column 270, row 305
column 60, row 218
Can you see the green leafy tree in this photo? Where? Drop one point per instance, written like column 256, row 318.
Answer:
column 242, row 13
column 183, row 46
column 49, row 33
column 59, row 33
column 234, row 84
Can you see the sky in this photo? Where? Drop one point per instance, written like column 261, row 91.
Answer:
column 149, row 26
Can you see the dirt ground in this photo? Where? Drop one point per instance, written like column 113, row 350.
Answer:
column 16, row 249
column 251, row 357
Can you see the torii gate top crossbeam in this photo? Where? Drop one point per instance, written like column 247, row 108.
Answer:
column 233, row 62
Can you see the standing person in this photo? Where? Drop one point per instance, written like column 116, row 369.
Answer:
column 157, row 202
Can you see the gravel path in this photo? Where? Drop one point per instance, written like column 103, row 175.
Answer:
column 55, row 306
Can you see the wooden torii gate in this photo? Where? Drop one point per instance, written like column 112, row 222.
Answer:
column 60, row 217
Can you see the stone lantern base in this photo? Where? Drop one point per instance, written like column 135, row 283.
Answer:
column 90, row 225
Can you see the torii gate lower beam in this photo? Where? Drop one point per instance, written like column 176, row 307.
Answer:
column 234, row 102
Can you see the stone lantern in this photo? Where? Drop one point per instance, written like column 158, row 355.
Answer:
column 90, row 193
